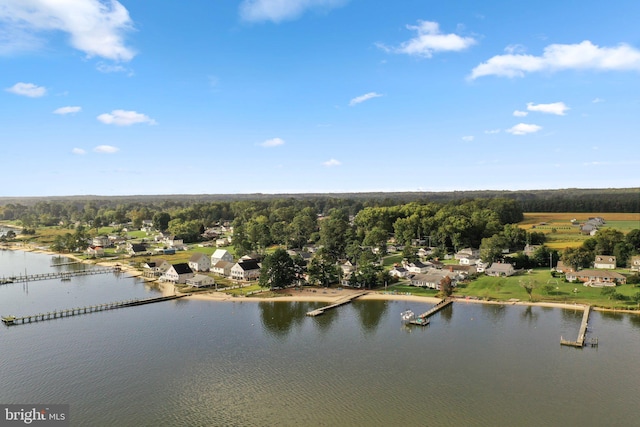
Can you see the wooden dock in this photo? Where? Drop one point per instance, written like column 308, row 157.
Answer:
column 436, row 308
column 13, row 320
column 342, row 301
column 57, row 275
column 582, row 333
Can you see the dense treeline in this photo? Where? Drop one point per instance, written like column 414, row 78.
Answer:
column 563, row 200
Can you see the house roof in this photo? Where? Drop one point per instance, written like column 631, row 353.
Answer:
column 250, row 264
column 138, row 247
column 197, row 257
column 224, row 264
column 500, row 266
column 219, row 253
column 429, row 278
column 598, row 273
column 182, row 268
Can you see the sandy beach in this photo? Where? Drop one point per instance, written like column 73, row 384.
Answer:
column 329, row 295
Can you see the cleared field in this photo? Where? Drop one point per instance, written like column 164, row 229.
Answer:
column 560, row 231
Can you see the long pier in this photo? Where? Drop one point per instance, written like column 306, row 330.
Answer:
column 342, row 301
column 57, row 275
column 436, row 308
column 582, row 333
column 57, row 314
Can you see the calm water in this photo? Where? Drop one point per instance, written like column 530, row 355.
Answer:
column 200, row 363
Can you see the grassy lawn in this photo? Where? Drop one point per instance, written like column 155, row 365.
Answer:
column 405, row 288
column 389, row 260
column 505, row 288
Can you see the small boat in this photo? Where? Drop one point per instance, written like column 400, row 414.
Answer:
column 407, row 315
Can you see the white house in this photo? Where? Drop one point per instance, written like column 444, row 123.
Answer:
column 95, row 251
column 635, row 263
column 222, row 268
column 199, row 262
column 500, row 269
column 605, row 261
column 245, row 270
column 431, row 281
column 417, row 267
column 201, row 281
column 221, row 255
column 398, row 272
column 178, row 273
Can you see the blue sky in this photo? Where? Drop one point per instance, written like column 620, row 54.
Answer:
column 292, row 96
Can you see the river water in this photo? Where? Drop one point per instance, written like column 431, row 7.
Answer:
column 245, row 363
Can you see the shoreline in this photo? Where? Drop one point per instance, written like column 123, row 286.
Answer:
column 330, row 295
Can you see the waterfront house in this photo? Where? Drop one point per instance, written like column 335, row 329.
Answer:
column 200, row 262
column 201, row 281
column 245, row 270
column 178, row 273
column 561, row 267
column 431, row 280
column 500, row 269
column 95, row 251
column 417, row 267
column 597, row 277
column 398, row 272
column 605, row 261
column 221, row 255
column 222, row 268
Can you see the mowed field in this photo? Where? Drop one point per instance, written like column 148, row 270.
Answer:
column 562, row 234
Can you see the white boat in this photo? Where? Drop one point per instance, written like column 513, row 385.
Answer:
column 407, row 315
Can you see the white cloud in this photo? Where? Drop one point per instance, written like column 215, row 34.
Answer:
column 362, row 98
column 107, row 149
column 67, row 110
column 468, row 138
column 556, row 57
column 95, row 27
column 519, row 113
column 27, row 89
column 331, row 163
column 523, row 129
column 597, row 100
column 273, row 142
column 429, row 40
column 282, row 10
column 111, row 68
column 78, row 151
column 125, row 118
column 492, row 131
column 557, row 108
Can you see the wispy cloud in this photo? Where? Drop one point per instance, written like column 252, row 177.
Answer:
column 67, row 110
column 282, row 10
column 492, row 131
column 78, row 151
column 106, row 149
column 430, row 40
column 557, row 108
column 519, row 113
column 273, row 142
column 331, row 163
column 556, row 57
column 523, row 129
column 597, row 100
column 94, row 27
column 125, row 118
column 367, row 96
column 27, row 89
column 468, row 138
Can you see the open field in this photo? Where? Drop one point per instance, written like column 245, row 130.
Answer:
column 562, row 234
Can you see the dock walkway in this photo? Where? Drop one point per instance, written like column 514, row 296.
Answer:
column 342, row 301
column 57, row 314
column 57, row 275
column 582, row 333
column 436, row 308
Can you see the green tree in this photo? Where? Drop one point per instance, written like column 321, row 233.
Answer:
column 161, row 221
column 322, row 272
column 278, row 270
column 409, row 254
column 491, row 248
column 580, row 257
